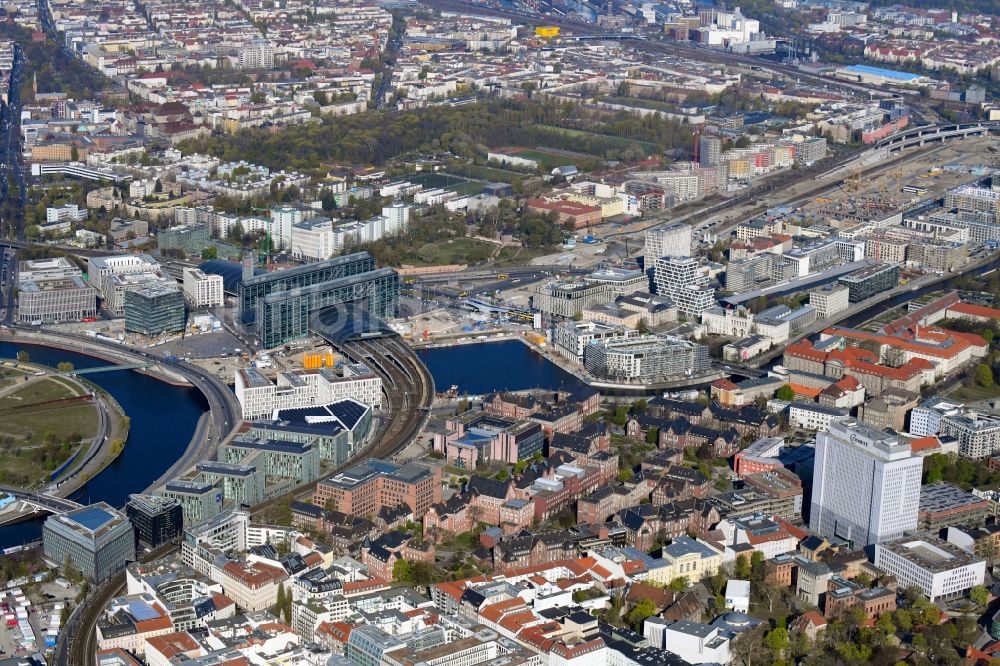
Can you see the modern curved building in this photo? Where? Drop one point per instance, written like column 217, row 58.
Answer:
column 277, row 306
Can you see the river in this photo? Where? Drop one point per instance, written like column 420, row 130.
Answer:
column 481, row 368
column 156, row 438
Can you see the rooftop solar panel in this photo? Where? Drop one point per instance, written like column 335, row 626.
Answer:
column 141, row 611
column 93, row 518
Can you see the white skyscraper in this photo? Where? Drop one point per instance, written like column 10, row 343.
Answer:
column 866, row 484
column 672, row 240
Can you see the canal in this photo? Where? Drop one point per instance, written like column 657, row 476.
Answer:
column 162, row 420
column 864, row 315
column 485, row 367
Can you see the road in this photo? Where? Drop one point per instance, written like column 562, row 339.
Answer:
column 11, row 161
column 224, row 410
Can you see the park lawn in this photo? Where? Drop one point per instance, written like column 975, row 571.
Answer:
column 974, row 393
column 62, row 422
column 548, row 161
column 493, row 174
column 22, row 441
column 460, row 185
column 41, row 390
column 518, row 256
column 468, row 188
column 615, row 141
column 453, row 251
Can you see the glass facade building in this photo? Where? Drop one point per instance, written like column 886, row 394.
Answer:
column 278, row 304
column 97, row 540
column 156, row 520
column 154, row 309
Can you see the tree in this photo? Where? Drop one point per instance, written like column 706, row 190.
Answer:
column 402, row 571
column 987, row 334
column 785, row 393
column 979, row 595
column 653, row 436
column 74, row 154
column 679, row 584
column 620, row 417
column 757, row 565
column 777, row 641
column 885, row 625
column 65, row 366
column 742, row 567
column 22, row 357
column 210, row 253
column 279, row 604
column 644, row 609
column 984, row 375
column 625, row 475
column 69, row 571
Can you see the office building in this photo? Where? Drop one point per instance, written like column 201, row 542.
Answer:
column 291, row 460
column 189, row 239
column 100, row 269
column 202, row 290
column 155, row 519
column 116, row 286
column 671, row 240
column 646, row 359
column 925, row 418
column 940, row 569
column 278, row 305
column 685, row 283
column 866, row 485
column 65, row 213
column 813, row 416
column 944, row 505
column 154, row 309
column 199, row 500
column 240, row 484
column 313, row 238
column 978, row 434
column 53, row 290
column 569, row 298
column 260, row 398
column 338, row 429
column 97, row 540
column 866, row 282
column 364, row 488
column 830, row 299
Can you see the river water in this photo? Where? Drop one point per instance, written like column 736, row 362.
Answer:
column 162, row 419
column 481, row 368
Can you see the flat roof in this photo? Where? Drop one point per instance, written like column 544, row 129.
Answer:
column 886, row 73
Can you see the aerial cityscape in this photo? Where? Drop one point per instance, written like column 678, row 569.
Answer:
column 499, row 333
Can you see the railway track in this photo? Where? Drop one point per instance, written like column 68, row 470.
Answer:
column 409, row 393
column 77, row 645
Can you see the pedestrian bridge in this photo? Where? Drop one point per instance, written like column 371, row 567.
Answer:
column 109, row 368
column 42, row 501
